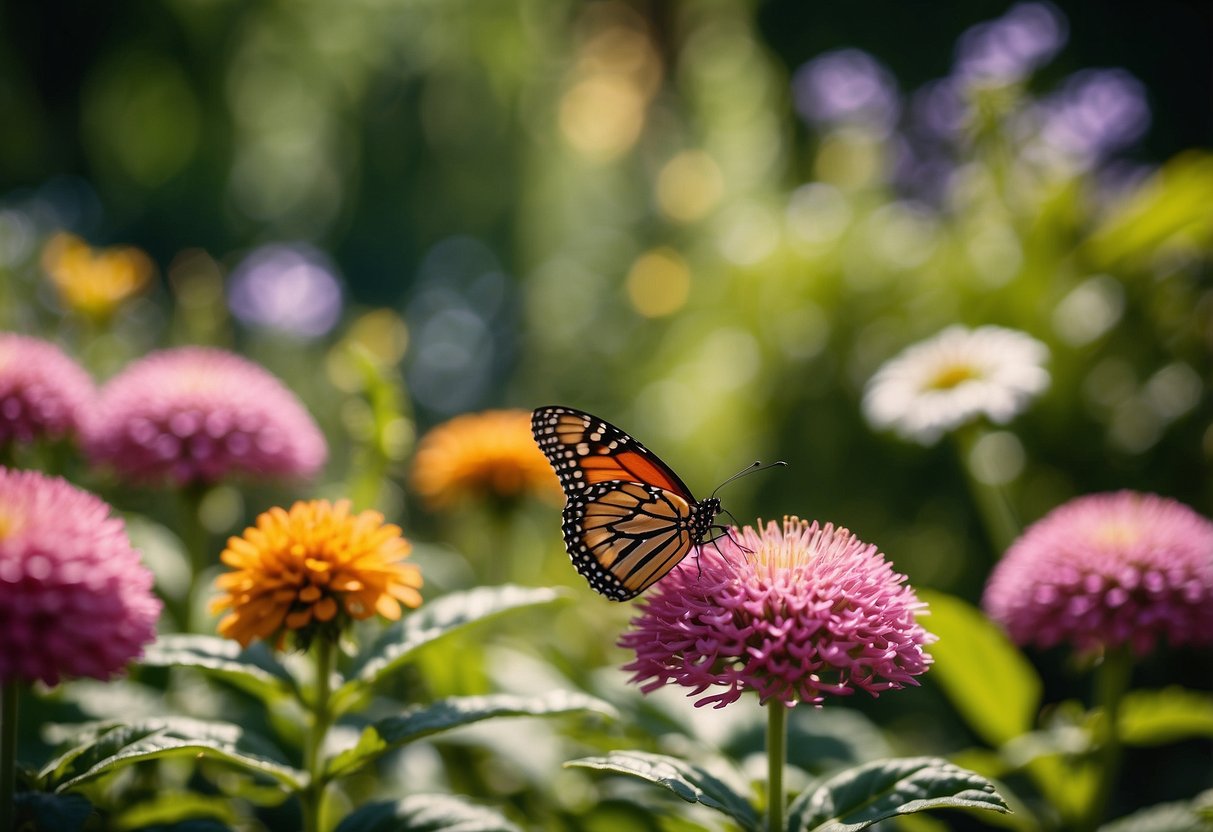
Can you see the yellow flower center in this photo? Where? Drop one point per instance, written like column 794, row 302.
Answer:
column 952, row 376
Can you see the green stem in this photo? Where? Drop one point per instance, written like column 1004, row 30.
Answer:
column 322, row 717
column 777, row 745
column 1002, row 526
column 1111, row 683
column 197, row 547
column 9, row 693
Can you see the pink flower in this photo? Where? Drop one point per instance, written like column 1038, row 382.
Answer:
column 42, row 391
column 793, row 613
column 1106, row 570
column 75, row 600
column 195, row 414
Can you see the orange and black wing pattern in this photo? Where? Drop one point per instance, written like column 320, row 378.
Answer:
column 628, row 518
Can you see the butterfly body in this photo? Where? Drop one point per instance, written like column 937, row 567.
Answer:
column 628, row 518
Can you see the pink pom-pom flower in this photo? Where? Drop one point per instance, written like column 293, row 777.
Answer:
column 1108, row 570
column 200, row 415
column 795, row 613
column 75, row 599
column 43, row 393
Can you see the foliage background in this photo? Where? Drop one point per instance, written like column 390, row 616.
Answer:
column 492, row 174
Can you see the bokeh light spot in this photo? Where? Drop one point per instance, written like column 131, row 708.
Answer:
column 1089, row 310
column 659, row 283
column 997, row 458
column 689, row 186
column 602, row 116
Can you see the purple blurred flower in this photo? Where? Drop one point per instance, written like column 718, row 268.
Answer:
column 794, row 613
column 194, row 414
column 1106, row 570
column 75, row 600
column 845, row 86
column 289, row 288
column 938, row 110
column 43, row 393
column 1096, row 113
column 1012, row 46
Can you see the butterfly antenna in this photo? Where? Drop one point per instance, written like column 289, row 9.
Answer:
column 750, row 469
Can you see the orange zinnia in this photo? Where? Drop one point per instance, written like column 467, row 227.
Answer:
column 311, row 571
column 479, row 455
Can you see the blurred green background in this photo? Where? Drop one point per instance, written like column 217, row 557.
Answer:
column 622, row 207
column 635, row 209
column 683, row 216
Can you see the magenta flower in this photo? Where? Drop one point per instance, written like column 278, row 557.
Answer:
column 1106, row 570
column 195, row 414
column 793, row 613
column 75, row 600
column 42, row 391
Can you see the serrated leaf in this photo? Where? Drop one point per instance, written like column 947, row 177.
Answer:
column 106, row 749
column 254, row 670
column 446, row 714
column 1001, row 701
column 1154, row 717
column 690, row 782
column 426, row 813
column 433, row 621
column 867, row 794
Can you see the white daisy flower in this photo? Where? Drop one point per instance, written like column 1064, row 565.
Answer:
column 955, row 377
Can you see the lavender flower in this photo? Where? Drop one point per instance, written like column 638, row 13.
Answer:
column 43, row 393
column 75, row 600
column 1096, row 113
column 845, row 86
column 1107, row 570
column 195, row 414
column 794, row 613
column 1012, row 46
column 290, row 289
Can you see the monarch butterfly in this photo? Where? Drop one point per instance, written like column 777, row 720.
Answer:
column 628, row 518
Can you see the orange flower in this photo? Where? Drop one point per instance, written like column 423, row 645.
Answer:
column 90, row 281
column 312, row 570
column 478, row 455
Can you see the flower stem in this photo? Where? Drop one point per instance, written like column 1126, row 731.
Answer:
column 322, row 717
column 1111, row 682
column 197, row 541
column 1002, row 526
column 9, row 692
column 777, row 743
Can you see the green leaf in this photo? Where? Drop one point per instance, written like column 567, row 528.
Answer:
column 108, row 747
column 1154, row 717
column 1181, row 816
column 867, row 794
column 171, row 807
column 690, row 782
column 985, row 677
column 254, row 670
column 425, row 813
column 433, row 621
column 1169, row 213
column 446, row 714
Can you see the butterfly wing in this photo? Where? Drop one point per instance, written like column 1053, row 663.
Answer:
column 625, row 536
column 628, row 519
column 586, row 450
